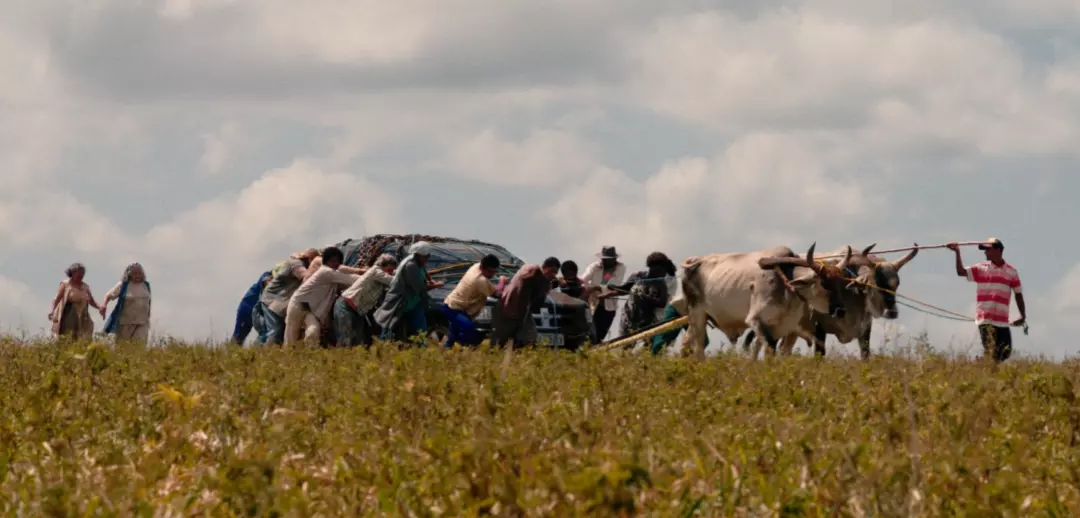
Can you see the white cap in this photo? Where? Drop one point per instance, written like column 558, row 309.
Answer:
column 420, row 248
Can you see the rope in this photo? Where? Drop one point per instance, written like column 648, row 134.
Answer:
column 951, row 315
column 911, row 299
column 907, row 249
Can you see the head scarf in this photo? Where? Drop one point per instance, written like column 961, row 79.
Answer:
column 420, row 248
column 74, row 268
column 131, row 268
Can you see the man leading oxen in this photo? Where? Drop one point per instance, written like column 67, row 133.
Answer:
column 870, row 293
column 738, row 291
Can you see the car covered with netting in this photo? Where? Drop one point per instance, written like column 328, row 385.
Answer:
column 562, row 321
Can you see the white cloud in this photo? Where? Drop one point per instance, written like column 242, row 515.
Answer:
column 221, row 147
column 763, row 189
column 544, row 158
column 20, row 307
column 897, row 86
column 683, row 126
column 206, row 257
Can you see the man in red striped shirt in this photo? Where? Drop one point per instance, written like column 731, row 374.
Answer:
column 997, row 281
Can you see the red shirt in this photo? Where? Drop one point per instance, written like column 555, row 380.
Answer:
column 996, row 284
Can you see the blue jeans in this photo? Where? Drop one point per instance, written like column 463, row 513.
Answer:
column 414, row 320
column 258, row 322
column 462, row 328
column 275, row 326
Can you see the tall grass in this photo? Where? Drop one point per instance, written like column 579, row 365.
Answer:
column 92, row 430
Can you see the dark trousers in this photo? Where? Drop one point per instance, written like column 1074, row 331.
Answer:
column 997, row 342
column 602, row 320
column 462, row 328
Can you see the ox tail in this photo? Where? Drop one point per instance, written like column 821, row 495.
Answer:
column 692, row 284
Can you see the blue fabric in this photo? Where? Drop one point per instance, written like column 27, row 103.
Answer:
column 662, row 340
column 258, row 321
column 275, row 326
column 114, row 318
column 462, row 328
column 244, row 318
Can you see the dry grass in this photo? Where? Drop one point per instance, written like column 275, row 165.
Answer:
column 183, row 431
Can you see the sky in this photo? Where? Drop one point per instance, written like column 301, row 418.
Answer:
column 208, row 139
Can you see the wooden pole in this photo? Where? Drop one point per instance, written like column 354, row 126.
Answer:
column 904, row 249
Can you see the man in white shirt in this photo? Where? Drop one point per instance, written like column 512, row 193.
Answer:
column 352, row 311
column 598, row 275
column 310, row 304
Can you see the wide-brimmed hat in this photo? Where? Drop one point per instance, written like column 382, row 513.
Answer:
column 608, row 252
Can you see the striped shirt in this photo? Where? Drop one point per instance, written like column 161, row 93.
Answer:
column 996, row 284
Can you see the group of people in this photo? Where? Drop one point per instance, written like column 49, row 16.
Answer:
column 312, row 293
column 129, row 320
column 297, row 298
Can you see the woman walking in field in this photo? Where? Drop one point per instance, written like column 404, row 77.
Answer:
column 70, row 314
column 130, row 319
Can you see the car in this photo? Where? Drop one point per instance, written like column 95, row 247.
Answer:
column 563, row 322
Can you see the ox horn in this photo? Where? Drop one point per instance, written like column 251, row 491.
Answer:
column 847, row 258
column 866, row 251
column 904, row 260
column 810, row 258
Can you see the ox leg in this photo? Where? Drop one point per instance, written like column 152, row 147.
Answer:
column 747, row 340
column 694, row 343
column 764, row 334
column 864, row 343
column 819, row 340
column 788, row 344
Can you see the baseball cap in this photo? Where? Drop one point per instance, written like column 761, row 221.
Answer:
column 992, row 243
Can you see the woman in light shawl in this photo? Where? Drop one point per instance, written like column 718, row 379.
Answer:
column 130, row 320
column 70, row 314
column 403, row 311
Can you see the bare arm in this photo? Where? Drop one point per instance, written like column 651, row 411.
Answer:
column 960, row 270
column 56, row 300
column 1022, row 307
column 93, row 303
column 353, row 270
column 311, row 269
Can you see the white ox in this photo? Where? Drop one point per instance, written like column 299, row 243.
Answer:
column 738, row 292
column 870, row 296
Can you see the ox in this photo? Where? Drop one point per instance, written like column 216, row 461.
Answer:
column 736, row 291
column 870, row 294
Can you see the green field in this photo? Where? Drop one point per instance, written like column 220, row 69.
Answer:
column 185, row 431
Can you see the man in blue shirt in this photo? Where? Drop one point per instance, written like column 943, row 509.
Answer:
column 245, row 313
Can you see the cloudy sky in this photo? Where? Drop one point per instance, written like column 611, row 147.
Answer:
column 209, row 138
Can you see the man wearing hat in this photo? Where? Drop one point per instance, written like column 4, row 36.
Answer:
column 996, row 282
column 598, row 275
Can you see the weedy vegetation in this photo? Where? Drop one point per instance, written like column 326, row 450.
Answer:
column 102, row 430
